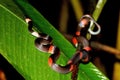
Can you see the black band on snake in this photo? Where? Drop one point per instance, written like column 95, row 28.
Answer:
column 44, row 44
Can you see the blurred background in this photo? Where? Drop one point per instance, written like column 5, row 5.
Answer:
column 64, row 16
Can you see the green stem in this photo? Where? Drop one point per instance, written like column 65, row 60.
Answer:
column 98, row 9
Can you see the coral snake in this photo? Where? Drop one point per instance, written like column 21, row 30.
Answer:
column 44, row 44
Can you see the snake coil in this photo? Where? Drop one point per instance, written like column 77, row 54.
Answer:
column 44, row 43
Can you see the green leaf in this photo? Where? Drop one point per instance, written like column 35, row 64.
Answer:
column 17, row 46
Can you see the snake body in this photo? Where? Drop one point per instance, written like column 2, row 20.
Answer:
column 44, row 43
